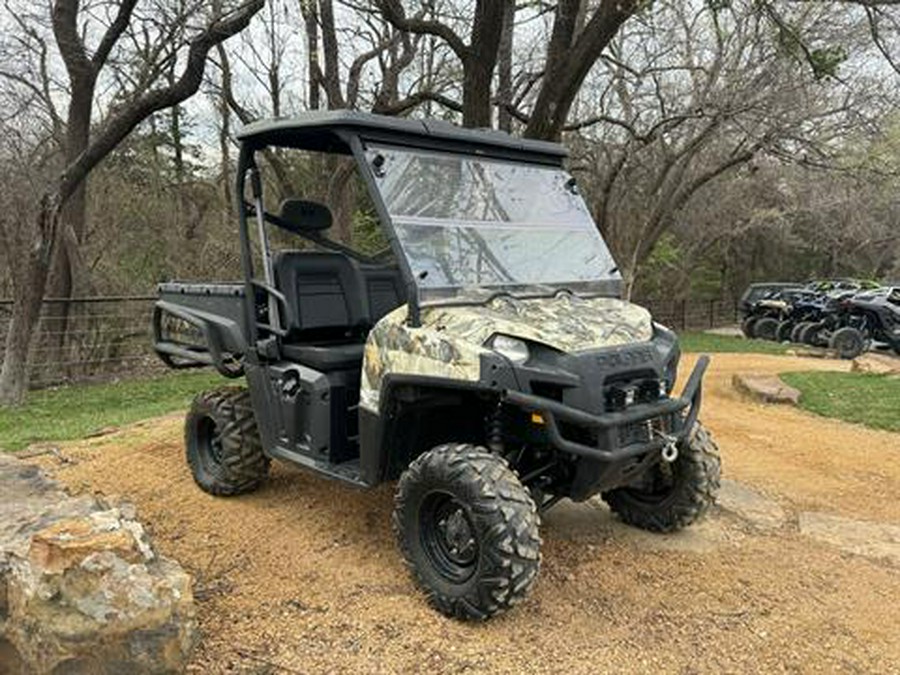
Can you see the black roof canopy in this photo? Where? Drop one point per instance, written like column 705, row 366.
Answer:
column 330, row 131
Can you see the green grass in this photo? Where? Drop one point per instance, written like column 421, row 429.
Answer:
column 703, row 342
column 75, row 412
column 872, row 400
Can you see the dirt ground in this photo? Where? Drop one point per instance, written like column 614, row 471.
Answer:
column 304, row 577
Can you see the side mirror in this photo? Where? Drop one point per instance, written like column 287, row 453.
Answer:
column 300, row 216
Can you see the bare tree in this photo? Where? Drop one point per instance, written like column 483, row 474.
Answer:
column 49, row 223
column 712, row 92
column 478, row 56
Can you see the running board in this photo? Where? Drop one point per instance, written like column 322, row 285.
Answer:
column 345, row 472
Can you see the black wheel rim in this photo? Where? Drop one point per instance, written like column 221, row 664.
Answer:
column 448, row 536
column 209, row 441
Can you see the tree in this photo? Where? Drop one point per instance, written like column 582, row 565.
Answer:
column 478, row 56
column 129, row 110
column 691, row 96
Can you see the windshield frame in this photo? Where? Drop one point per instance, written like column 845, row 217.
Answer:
column 467, row 295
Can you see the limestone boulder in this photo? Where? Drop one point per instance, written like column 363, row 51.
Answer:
column 876, row 364
column 765, row 388
column 81, row 588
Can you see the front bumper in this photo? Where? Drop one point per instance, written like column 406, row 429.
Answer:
column 607, row 425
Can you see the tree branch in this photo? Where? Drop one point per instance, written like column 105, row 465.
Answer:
column 113, row 33
column 393, row 12
column 123, row 120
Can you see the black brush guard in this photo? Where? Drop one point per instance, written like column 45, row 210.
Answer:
column 609, row 424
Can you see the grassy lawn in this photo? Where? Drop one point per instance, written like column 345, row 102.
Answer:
column 75, row 412
column 703, row 342
column 873, row 400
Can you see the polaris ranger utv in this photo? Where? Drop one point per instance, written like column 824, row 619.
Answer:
column 491, row 368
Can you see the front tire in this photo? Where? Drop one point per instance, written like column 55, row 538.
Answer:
column 674, row 495
column 848, row 342
column 810, row 334
column 797, row 332
column 468, row 530
column 765, row 328
column 224, row 450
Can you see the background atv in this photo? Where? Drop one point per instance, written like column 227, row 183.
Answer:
column 751, row 309
column 837, row 326
column 872, row 316
column 490, row 366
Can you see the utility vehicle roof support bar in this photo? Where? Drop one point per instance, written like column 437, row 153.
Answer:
column 245, row 163
column 355, row 143
column 268, row 270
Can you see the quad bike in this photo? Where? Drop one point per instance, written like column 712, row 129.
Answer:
column 851, row 321
column 873, row 316
column 491, row 367
column 752, row 305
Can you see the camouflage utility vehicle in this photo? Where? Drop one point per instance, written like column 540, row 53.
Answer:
column 484, row 358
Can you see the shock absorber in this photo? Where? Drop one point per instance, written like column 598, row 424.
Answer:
column 494, row 431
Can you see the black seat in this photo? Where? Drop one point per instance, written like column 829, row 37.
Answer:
column 328, row 310
column 326, row 357
column 384, row 288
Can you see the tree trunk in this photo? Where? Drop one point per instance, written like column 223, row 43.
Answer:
column 504, row 78
column 480, row 61
column 26, row 311
column 311, row 23
column 62, row 274
column 225, row 140
column 570, row 57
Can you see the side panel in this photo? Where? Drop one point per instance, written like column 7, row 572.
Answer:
column 293, row 408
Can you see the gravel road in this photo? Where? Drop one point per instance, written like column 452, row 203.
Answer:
column 304, row 577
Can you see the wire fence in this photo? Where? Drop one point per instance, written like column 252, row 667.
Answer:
column 101, row 338
column 85, row 339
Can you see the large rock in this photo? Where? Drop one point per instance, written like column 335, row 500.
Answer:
column 765, row 388
column 880, row 541
column 876, row 364
column 81, row 588
column 748, row 504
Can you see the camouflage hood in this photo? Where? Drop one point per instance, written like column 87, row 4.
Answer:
column 565, row 322
column 449, row 343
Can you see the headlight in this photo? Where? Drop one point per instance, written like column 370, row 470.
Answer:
column 512, row 348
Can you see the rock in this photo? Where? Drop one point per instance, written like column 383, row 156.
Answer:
column 726, row 331
column 765, row 388
column 876, row 364
column 813, row 353
column 749, row 505
column 880, row 541
column 81, row 588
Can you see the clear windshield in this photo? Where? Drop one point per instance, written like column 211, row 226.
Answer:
column 467, row 222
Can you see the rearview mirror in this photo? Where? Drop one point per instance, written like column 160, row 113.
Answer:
column 301, row 216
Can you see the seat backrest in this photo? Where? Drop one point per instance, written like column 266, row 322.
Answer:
column 385, row 289
column 325, row 294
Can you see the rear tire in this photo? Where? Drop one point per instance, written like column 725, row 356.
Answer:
column 809, row 334
column 681, row 492
column 468, row 530
column 783, row 331
column 797, row 332
column 765, row 328
column 224, row 450
column 747, row 326
column 848, row 342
